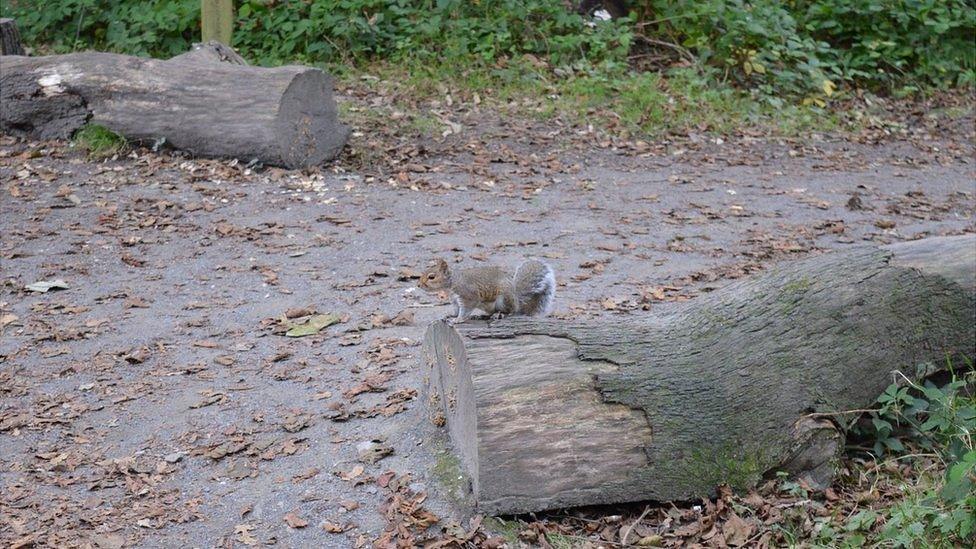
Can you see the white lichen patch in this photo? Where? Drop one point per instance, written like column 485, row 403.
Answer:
column 51, row 84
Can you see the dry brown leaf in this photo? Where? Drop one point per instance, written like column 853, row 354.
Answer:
column 244, row 536
column 295, row 521
column 736, row 531
column 355, row 472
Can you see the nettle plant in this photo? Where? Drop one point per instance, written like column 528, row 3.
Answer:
column 811, row 48
column 940, row 421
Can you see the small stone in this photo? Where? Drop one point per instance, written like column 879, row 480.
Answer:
column 174, row 457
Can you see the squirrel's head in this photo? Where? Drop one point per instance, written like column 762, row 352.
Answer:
column 436, row 277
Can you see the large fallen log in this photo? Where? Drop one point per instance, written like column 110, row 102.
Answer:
column 727, row 388
column 283, row 116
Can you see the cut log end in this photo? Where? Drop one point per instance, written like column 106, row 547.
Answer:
column 306, row 130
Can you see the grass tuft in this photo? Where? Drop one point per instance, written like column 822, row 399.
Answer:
column 99, row 141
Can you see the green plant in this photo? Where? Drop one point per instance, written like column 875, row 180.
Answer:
column 161, row 28
column 99, row 141
column 810, row 47
column 940, row 422
column 805, row 49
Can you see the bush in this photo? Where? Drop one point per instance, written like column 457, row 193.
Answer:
column 939, row 422
column 345, row 31
column 797, row 48
column 446, row 29
column 160, row 28
column 809, row 47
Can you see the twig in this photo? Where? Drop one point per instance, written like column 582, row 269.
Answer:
column 626, row 534
column 827, row 414
column 597, row 542
column 664, row 44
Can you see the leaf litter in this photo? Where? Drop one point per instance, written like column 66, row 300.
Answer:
column 224, row 214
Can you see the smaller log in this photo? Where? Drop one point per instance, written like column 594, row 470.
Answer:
column 10, row 38
column 208, row 102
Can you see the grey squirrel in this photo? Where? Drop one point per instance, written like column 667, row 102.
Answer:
column 497, row 292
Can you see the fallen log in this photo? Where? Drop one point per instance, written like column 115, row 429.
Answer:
column 284, row 116
column 728, row 388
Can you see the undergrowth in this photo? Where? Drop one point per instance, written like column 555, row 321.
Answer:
column 670, row 66
column 929, row 432
column 99, row 141
column 798, row 49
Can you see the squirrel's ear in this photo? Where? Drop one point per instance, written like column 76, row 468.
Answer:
column 442, row 265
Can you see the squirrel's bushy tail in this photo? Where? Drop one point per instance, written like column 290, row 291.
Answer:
column 535, row 287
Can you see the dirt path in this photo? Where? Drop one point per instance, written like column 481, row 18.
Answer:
column 155, row 402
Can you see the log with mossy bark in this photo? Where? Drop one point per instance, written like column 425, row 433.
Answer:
column 208, row 102
column 729, row 388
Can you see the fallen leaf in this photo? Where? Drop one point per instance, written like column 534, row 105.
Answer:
column 355, row 472
column 138, row 356
column 384, row 479
column 42, row 286
column 736, row 531
column 371, row 451
column 331, row 527
column 298, row 312
column 7, row 318
column 313, row 326
column 209, row 397
column 108, row 541
column 244, row 536
column 295, row 521
column 403, row 318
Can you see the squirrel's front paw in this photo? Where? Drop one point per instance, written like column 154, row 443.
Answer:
column 497, row 316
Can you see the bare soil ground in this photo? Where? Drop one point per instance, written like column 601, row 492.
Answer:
column 156, row 401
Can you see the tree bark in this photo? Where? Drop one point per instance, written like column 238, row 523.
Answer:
column 731, row 387
column 10, row 38
column 283, row 116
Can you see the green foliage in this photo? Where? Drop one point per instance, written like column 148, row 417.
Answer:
column 161, row 28
column 804, row 48
column 345, row 31
column 942, row 421
column 99, row 141
column 809, row 47
column 469, row 31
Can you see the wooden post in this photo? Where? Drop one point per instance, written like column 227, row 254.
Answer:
column 10, row 38
column 217, row 20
